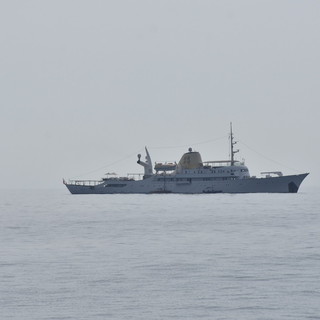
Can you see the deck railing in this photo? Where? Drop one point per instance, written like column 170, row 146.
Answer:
column 84, row 182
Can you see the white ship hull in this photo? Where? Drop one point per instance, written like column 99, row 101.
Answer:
column 182, row 184
column 191, row 175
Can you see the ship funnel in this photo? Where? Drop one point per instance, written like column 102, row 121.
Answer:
column 190, row 160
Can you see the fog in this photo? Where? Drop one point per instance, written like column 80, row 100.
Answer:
column 86, row 85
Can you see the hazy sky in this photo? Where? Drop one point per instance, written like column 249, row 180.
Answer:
column 85, row 85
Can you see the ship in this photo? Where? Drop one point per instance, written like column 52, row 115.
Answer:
column 191, row 175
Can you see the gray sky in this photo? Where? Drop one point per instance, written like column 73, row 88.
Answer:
column 85, row 85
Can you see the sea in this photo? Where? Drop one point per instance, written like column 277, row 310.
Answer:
column 164, row 256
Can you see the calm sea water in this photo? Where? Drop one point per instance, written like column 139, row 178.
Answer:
column 214, row 256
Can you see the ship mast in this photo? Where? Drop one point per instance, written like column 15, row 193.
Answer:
column 232, row 143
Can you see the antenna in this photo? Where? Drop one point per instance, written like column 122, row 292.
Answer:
column 232, row 143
